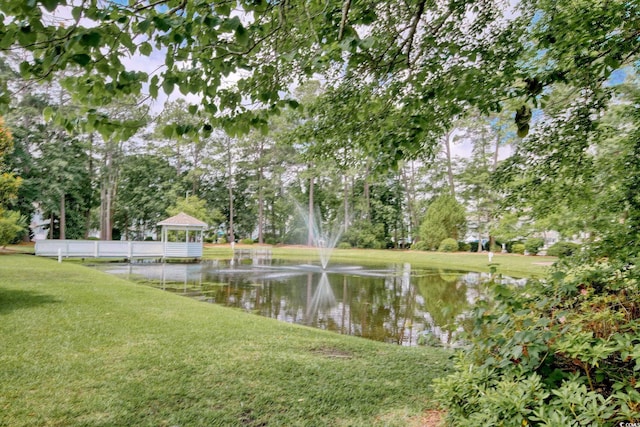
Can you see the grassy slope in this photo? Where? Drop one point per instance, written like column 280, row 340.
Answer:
column 80, row 347
column 508, row 264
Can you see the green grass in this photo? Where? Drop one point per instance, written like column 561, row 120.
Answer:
column 508, row 264
column 83, row 348
column 22, row 248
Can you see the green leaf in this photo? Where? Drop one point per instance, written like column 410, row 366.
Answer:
column 51, row 5
column 153, row 87
column 168, row 131
column 76, row 12
column 26, row 37
column 223, row 8
column 161, row 23
column 91, row 39
column 230, row 24
column 145, row 49
column 81, row 59
column 242, row 35
column 47, row 113
column 167, row 86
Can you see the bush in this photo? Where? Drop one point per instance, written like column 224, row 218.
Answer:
column 420, row 246
column 464, row 246
column 365, row 235
column 448, row 245
column 563, row 249
column 533, row 245
column 11, row 224
column 517, row 248
column 271, row 241
column 247, row 241
column 222, row 240
column 558, row 352
column 344, row 245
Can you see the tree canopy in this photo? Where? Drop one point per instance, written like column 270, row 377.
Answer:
column 395, row 80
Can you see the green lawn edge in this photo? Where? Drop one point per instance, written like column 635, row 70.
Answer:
column 506, row 264
column 83, row 348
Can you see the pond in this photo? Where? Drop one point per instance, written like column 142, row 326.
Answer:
column 390, row 303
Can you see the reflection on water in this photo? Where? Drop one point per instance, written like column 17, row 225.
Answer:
column 394, row 304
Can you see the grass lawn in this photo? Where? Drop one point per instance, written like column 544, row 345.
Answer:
column 83, row 348
column 507, row 264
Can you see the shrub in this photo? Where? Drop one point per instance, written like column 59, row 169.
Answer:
column 558, row 352
column 533, row 245
column 11, row 224
column 517, row 248
column 448, row 245
column 364, row 234
column 344, row 245
column 563, row 249
column 464, row 246
column 222, row 240
column 247, row 241
column 420, row 246
column 271, row 241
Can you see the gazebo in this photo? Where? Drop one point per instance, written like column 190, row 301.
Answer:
column 182, row 236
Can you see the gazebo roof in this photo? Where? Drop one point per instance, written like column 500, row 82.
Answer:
column 183, row 220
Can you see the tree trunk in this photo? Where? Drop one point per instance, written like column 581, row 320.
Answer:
column 232, row 236
column 367, row 194
column 87, row 212
column 63, row 218
column 447, row 146
column 108, row 193
column 51, row 223
column 409, row 185
column 310, row 213
column 496, row 152
column 260, row 195
column 346, row 203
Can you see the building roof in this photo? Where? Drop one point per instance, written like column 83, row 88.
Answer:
column 183, row 220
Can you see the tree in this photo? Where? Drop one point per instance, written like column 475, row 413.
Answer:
column 146, row 187
column 11, row 222
column 282, row 43
column 445, row 218
column 197, row 208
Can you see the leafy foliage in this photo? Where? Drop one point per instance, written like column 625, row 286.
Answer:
column 448, row 245
column 563, row 249
column 518, row 248
column 533, row 245
column 559, row 350
column 445, row 218
column 11, row 224
column 197, row 208
column 364, row 234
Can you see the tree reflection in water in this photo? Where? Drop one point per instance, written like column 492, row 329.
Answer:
column 394, row 304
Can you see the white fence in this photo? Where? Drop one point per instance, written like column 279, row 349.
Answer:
column 101, row 249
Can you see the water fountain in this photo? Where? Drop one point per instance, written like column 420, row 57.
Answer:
column 323, row 241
